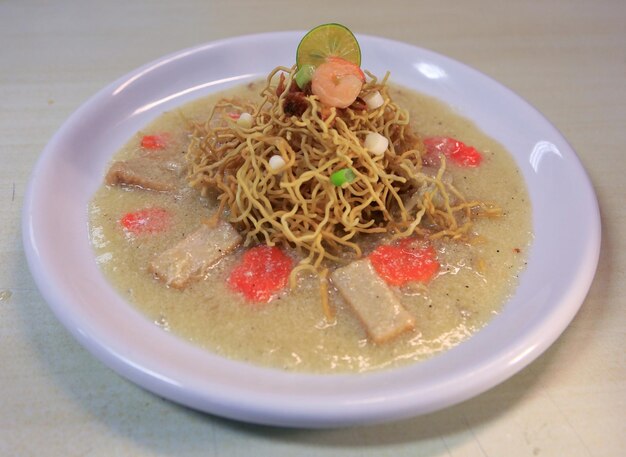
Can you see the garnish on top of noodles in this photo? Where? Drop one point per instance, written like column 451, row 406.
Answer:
column 320, row 163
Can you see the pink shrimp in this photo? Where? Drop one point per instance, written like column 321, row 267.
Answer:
column 337, row 82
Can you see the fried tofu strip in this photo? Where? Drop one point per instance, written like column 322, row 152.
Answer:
column 372, row 300
column 194, row 255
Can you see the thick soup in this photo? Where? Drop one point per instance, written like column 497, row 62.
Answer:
column 341, row 315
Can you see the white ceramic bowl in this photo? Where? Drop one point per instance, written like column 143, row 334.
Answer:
column 561, row 263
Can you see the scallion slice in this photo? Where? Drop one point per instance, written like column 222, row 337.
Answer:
column 343, row 176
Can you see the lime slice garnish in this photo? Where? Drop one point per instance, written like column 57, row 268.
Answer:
column 325, row 41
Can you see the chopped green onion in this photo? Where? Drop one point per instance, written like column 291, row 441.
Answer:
column 303, row 75
column 343, row 176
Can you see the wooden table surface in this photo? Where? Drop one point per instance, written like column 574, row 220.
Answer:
column 567, row 58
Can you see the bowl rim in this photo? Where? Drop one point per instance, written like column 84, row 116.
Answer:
column 276, row 397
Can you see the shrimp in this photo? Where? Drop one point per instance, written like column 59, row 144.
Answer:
column 337, row 82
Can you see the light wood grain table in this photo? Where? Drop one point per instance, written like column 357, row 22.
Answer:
column 567, row 58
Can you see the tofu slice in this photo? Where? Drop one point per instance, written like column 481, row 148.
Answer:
column 194, row 255
column 372, row 300
column 159, row 172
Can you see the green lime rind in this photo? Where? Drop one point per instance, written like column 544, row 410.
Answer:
column 328, row 40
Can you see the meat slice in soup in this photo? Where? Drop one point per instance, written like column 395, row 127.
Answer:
column 195, row 254
column 372, row 300
column 161, row 171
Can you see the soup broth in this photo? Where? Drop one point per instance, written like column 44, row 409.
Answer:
column 291, row 332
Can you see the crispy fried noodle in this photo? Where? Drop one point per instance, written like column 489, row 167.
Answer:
column 298, row 204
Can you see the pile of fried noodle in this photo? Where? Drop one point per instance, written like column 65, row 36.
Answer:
column 297, row 204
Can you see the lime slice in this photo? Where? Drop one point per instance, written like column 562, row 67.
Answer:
column 325, row 41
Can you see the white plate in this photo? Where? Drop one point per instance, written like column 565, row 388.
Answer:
column 561, row 263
